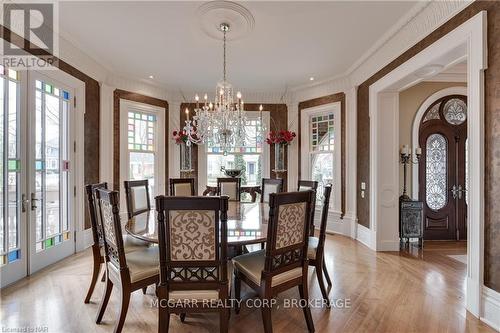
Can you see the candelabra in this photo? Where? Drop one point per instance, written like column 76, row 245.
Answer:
column 405, row 159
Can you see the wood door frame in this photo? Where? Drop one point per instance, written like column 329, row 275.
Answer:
column 468, row 40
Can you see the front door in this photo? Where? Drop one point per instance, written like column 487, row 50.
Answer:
column 442, row 169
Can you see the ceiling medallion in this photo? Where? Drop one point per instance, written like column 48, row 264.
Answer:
column 212, row 14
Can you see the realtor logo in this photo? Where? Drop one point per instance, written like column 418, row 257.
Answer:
column 31, row 40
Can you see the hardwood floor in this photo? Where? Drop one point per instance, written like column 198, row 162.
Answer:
column 410, row 291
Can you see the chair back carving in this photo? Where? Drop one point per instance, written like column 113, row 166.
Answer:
column 182, row 187
column 270, row 186
column 288, row 231
column 192, row 255
column 230, row 187
column 137, row 194
column 95, row 220
column 111, row 227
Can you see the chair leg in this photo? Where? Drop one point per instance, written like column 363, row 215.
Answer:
column 95, row 276
column 123, row 310
column 144, row 290
column 237, row 292
column 224, row 320
column 104, row 301
column 163, row 320
column 266, row 319
column 183, row 317
column 304, row 295
column 327, row 276
column 319, row 275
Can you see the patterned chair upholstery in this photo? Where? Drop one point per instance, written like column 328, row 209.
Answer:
column 283, row 264
column 129, row 271
column 182, row 187
column 193, row 258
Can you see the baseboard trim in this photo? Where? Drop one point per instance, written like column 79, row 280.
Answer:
column 490, row 308
column 364, row 236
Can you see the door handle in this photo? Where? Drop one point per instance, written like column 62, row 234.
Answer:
column 33, row 201
column 24, row 202
column 460, row 192
column 454, row 191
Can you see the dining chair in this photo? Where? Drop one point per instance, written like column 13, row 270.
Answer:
column 129, row 271
column 130, row 243
column 305, row 185
column 283, row 264
column 316, row 247
column 270, row 186
column 194, row 271
column 137, row 195
column 182, row 187
column 230, row 187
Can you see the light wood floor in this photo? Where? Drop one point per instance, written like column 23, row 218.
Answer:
column 412, row 291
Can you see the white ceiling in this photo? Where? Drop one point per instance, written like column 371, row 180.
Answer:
column 291, row 41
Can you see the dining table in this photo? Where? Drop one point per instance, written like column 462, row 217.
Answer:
column 246, row 225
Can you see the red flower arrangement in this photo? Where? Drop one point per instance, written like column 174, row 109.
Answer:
column 280, row 137
column 179, row 137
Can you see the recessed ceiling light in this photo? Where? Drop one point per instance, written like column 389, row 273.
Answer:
column 311, row 78
column 151, row 77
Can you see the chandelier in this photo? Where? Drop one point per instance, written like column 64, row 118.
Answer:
column 222, row 122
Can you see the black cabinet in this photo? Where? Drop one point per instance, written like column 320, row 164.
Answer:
column 411, row 220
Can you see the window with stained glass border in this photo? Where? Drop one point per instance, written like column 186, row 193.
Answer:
column 141, row 131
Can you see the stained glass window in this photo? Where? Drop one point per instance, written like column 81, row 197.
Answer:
column 455, row 111
column 141, row 131
column 322, row 137
column 433, row 113
column 322, row 143
column 252, row 144
column 436, row 171
column 247, row 158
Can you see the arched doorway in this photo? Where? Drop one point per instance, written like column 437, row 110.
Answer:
column 442, row 169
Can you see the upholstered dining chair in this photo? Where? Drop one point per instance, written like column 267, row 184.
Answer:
column 130, row 243
column 230, row 187
column 305, row 185
column 137, row 195
column 194, row 271
column 316, row 246
column 129, row 271
column 270, row 186
column 182, row 187
column 283, row 264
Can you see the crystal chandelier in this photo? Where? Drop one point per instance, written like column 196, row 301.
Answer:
column 221, row 121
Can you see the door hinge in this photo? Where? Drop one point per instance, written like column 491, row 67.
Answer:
column 74, row 191
column 74, row 146
column 74, row 102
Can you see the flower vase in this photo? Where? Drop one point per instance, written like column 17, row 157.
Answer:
column 186, row 166
column 279, row 157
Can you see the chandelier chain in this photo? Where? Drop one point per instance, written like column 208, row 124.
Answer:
column 224, row 61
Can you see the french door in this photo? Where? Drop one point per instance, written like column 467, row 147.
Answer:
column 443, row 169
column 36, row 179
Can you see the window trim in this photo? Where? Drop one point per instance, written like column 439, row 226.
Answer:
column 159, row 143
column 305, row 116
column 266, row 166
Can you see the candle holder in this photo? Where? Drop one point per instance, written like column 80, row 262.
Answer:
column 406, row 158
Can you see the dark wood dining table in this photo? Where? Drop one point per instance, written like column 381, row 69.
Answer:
column 247, row 224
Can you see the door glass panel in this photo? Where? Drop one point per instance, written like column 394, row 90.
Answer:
column 436, row 171
column 455, row 111
column 9, row 166
column 51, row 165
